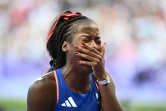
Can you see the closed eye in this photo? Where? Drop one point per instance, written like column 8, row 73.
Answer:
column 98, row 41
column 87, row 38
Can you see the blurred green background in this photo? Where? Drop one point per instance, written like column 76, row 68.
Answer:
column 20, row 105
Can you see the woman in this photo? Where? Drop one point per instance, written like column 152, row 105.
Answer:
column 77, row 80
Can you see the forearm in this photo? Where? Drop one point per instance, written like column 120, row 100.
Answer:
column 109, row 101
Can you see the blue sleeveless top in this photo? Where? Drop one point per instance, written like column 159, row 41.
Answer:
column 71, row 101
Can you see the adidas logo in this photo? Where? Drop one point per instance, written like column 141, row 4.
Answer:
column 69, row 103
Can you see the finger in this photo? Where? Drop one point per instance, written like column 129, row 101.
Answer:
column 87, row 63
column 103, row 49
column 85, row 56
column 91, row 48
column 88, row 52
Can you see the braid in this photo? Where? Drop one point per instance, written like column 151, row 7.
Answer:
column 63, row 30
column 61, row 33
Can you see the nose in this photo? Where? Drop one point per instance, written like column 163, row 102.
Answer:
column 93, row 44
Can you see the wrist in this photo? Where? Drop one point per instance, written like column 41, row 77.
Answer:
column 105, row 81
column 101, row 78
column 100, row 75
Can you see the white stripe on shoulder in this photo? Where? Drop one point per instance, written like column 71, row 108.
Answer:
column 40, row 78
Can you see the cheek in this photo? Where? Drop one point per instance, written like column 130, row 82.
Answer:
column 77, row 43
column 72, row 49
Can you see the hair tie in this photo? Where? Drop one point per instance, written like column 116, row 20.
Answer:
column 52, row 63
column 66, row 16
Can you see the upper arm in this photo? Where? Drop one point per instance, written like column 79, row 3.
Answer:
column 41, row 96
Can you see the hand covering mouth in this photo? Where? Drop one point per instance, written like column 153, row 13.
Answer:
column 83, row 59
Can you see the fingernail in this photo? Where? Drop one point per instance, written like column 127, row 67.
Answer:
column 75, row 52
column 78, row 62
column 76, row 47
column 83, row 44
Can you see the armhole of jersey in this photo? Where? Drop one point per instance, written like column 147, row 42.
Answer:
column 57, row 87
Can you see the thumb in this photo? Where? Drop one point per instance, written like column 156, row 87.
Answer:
column 103, row 49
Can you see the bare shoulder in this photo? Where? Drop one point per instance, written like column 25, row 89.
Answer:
column 46, row 83
column 42, row 93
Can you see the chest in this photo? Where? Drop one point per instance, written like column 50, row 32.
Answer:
column 70, row 101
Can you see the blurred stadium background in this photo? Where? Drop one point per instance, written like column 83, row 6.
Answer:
column 134, row 30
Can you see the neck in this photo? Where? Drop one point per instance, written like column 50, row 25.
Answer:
column 77, row 80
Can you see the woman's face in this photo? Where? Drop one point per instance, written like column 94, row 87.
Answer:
column 88, row 33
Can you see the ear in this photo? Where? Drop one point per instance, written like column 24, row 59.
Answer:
column 65, row 46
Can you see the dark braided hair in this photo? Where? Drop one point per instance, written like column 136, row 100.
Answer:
column 63, row 32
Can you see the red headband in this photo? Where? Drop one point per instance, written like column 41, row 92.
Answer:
column 66, row 17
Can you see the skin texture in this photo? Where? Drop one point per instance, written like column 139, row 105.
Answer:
column 85, row 54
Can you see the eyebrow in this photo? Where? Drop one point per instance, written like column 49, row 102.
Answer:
column 88, row 36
